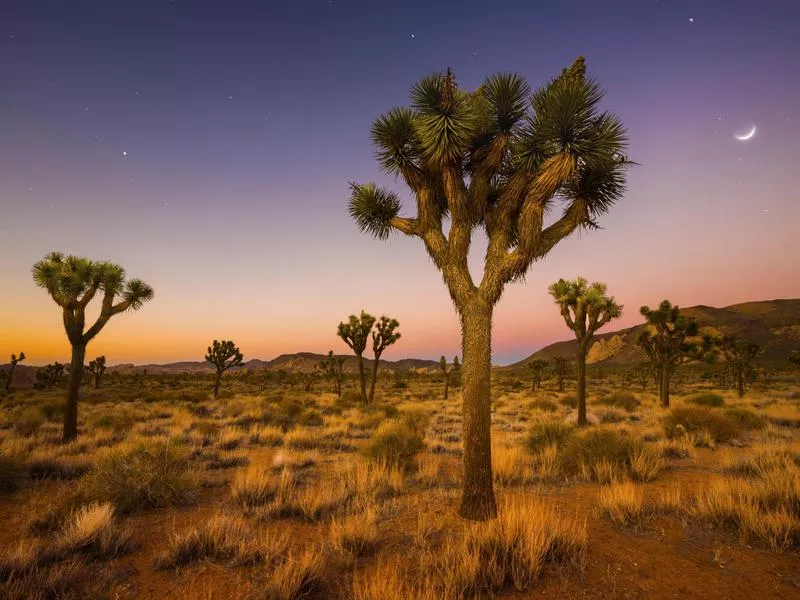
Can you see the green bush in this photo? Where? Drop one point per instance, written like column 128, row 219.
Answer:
column 145, row 474
column 27, row 420
column 694, row 419
column 542, row 404
column 623, row 400
column 707, row 399
column 747, row 419
column 396, row 444
column 545, row 433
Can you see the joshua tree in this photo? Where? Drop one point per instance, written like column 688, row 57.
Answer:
column 585, row 308
column 223, row 355
column 537, row 367
column 794, row 358
column 14, row 360
column 382, row 337
column 48, row 376
column 641, row 373
column 667, row 339
column 739, row 356
column 333, row 367
column 448, row 371
column 72, row 282
column 561, row 368
column 96, row 369
column 355, row 334
column 499, row 159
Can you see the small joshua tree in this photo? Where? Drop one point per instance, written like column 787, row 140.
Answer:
column 561, row 368
column 355, row 334
column 537, row 367
column 14, row 360
column 448, row 372
column 333, row 366
column 667, row 339
column 96, row 369
column 585, row 308
column 72, row 283
column 739, row 356
column 223, row 355
column 49, row 376
column 383, row 336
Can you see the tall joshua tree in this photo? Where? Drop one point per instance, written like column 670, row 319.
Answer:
column 72, row 283
column 333, row 366
column 561, row 368
column 500, row 159
column 668, row 338
column 739, row 355
column 537, row 367
column 355, row 334
column 96, row 369
column 14, row 360
column 448, row 370
column 383, row 336
column 585, row 308
column 223, row 355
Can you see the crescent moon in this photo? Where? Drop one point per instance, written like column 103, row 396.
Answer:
column 746, row 136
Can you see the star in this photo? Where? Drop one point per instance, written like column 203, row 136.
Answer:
column 413, row 36
column 691, row 19
column 124, row 153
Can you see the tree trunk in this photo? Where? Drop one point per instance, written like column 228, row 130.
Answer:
column 73, row 391
column 216, row 383
column 581, row 386
column 560, row 383
column 446, row 384
column 374, row 378
column 477, row 500
column 10, row 375
column 363, row 379
column 663, row 380
column 740, row 382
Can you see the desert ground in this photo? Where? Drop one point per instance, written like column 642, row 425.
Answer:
column 274, row 492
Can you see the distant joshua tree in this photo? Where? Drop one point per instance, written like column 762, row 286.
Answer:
column 448, row 372
column 96, row 369
column 223, row 355
column 585, row 308
column 641, row 373
column 739, row 356
column 333, row 366
column 562, row 369
column 49, row 376
column 794, row 358
column 537, row 367
column 14, row 360
column 668, row 338
column 72, row 282
column 497, row 159
column 383, row 336
column 355, row 334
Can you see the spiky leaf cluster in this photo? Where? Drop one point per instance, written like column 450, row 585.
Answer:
column 355, row 332
column 49, row 376
column 668, row 337
column 224, row 355
column 585, row 307
column 17, row 359
column 384, row 334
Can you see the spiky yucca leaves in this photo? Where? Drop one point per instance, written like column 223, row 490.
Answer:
column 383, row 336
column 739, row 356
column 14, row 360
column 537, row 367
column 96, row 369
column 585, row 308
column 355, row 334
column 72, row 283
column 499, row 158
column 562, row 369
column 223, row 355
column 333, row 366
column 667, row 339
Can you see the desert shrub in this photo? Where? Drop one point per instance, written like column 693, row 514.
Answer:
column 611, row 415
column 510, row 465
column 746, row 419
column 543, row 405
column 623, row 503
column 400, row 385
column 52, row 408
column 27, row 420
column 695, row 419
column 310, row 417
column 416, row 418
column 605, row 455
column 706, row 399
column 390, row 411
column 569, row 401
column 142, row 474
column 117, row 420
column 624, row 400
column 396, row 444
column 355, row 535
column 543, row 434
column 93, row 531
column 45, row 465
column 298, row 577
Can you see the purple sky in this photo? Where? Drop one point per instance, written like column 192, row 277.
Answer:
column 207, row 146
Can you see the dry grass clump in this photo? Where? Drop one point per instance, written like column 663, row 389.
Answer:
column 43, row 464
column 545, row 465
column 545, row 433
column 222, row 538
column 428, row 473
column 230, row 439
column 747, row 419
column 93, row 531
column 623, row 503
column 303, row 438
column 604, row 455
column 266, row 435
column 395, row 443
column 679, row 447
column 296, row 461
column 139, row 474
column 356, row 535
column 706, row 399
column 300, row 576
column 695, row 419
column 544, row 405
column 624, row 400
column 255, row 487
column 670, row 500
column 10, row 472
column 510, row 465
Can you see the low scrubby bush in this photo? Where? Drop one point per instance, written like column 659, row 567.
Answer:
column 707, row 399
column 695, row 419
column 747, row 419
column 606, row 455
column 624, row 400
column 543, row 434
column 544, row 405
column 395, row 443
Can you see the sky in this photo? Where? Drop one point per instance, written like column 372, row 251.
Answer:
column 207, row 147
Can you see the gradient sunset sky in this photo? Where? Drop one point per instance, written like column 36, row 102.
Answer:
column 207, row 148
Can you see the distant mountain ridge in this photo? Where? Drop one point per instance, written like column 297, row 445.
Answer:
column 773, row 324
